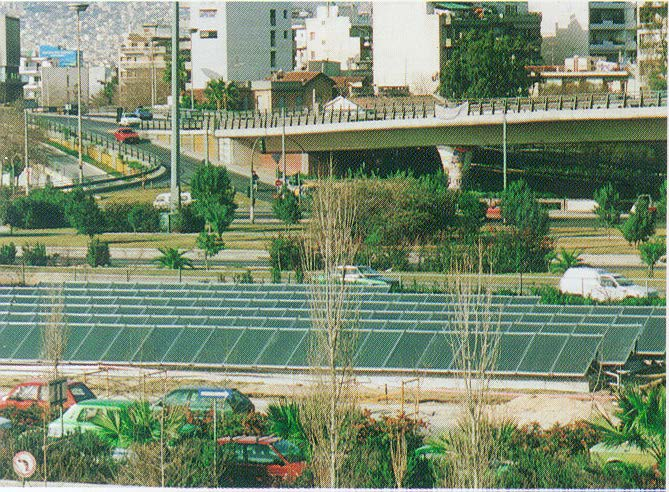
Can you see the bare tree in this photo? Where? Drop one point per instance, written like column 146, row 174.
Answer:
column 54, row 334
column 474, row 339
column 398, row 451
column 330, row 242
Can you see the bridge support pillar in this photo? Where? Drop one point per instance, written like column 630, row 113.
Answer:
column 455, row 162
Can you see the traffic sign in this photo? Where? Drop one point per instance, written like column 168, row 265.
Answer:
column 24, row 464
column 278, row 183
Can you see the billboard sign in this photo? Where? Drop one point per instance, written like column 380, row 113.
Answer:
column 65, row 58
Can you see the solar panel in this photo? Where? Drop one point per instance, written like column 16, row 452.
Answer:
column 375, row 349
column 128, row 345
column 96, row 343
column 187, row 345
column 577, row 355
column 542, row 353
column 280, row 347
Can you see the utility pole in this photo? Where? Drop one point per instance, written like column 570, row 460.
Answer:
column 206, row 140
column 25, row 149
column 175, row 192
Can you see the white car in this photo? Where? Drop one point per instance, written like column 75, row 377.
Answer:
column 163, row 199
column 601, row 285
column 129, row 119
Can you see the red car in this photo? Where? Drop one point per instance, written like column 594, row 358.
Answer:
column 126, row 134
column 30, row 393
column 266, row 457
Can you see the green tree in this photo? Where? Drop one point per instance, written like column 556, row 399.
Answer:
column 214, row 197
column 210, row 245
column 521, row 210
column 639, row 421
column 173, row 258
column 651, row 252
column 559, row 263
column 182, row 74
column 98, row 253
column 640, row 225
column 472, row 214
column 84, row 214
column 662, row 201
column 286, row 207
column 484, row 65
column 608, row 206
column 225, row 95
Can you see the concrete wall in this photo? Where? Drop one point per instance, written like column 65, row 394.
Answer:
column 59, row 85
column 406, row 46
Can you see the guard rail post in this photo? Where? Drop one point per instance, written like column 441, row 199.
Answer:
column 659, row 99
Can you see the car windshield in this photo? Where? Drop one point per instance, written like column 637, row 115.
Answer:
column 81, row 392
column 623, row 281
column 289, row 451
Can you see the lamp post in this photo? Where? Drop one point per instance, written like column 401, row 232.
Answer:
column 175, row 191
column 25, row 149
column 192, row 31
column 79, row 8
column 153, row 64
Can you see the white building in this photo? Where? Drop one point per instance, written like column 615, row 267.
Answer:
column 240, row 41
column 300, row 46
column 328, row 37
column 59, row 86
column 406, row 46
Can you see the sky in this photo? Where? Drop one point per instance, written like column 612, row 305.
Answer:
column 559, row 11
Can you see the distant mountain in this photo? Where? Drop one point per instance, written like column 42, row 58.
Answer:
column 103, row 26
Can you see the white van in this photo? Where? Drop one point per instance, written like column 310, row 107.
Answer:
column 163, row 199
column 601, row 285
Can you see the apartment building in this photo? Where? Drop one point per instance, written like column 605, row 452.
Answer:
column 10, row 55
column 612, row 31
column 240, row 41
column 652, row 44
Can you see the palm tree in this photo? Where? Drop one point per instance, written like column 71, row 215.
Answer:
column 559, row 263
column 641, row 417
column 173, row 258
column 224, row 94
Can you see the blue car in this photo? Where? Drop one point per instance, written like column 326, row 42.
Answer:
column 143, row 114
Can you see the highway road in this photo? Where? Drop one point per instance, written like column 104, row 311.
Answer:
column 188, row 164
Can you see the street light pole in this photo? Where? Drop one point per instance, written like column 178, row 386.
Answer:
column 283, row 143
column 25, row 149
column 504, row 145
column 79, row 8
column 175, row 192
column 192, row 89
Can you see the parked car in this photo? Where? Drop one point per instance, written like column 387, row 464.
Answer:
column 601, row 285
column 265, row 458
column 82, row 416
column 126, row 135
column 31, row 393
column 130, row 119
column 143, row 114
column 163, row 199
column 363, row 275
column 201, row 399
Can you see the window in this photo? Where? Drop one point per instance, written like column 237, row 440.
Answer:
column 312, row 36
column 25, row 393
column 313, row 55
column 257, row 453
column 285, row 14
column 88, row 414
column 272, row 39
column 208, row 34
column 285, row 34
column 207, row 13
column 272, row 59
column 272, row 17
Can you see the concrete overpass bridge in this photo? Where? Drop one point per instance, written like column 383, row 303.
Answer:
column 452, row 129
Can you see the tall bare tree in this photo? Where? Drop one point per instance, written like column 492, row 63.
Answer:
column 474, row 339
column 55, row 333
column 329, row 243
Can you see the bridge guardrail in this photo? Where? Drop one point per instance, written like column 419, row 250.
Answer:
column 154, row 163
column 392, row 111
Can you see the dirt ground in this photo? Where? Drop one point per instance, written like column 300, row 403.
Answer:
column 438, row 407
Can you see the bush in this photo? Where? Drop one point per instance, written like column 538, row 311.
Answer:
column 41, row 209
column 7, row 254
column 640, row 225
column 187, row 221
column 83, row 213
column 144, row 217
column 285, row 253
column 35, row 255
column 286, row 207
column 551, row 295
column 521, row 210
column 513, row 252
column 98, row 253
column 243, row 278
column 116, row 217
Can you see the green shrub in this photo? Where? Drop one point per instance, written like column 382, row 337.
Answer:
column 243, row 278
column 551, row 295
column 512, row 252
column 144, row 217
column 285, row 253
column 35, row 255
column 116, row 217
column 286, row 207
column 41, row 209
column 84, row 214
column 7, row 254
column 98, row 253
column 187, row 221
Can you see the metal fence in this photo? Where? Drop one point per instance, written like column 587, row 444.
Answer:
column 193, row 120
